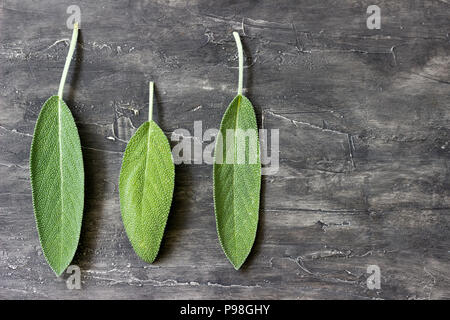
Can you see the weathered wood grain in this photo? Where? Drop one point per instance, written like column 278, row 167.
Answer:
column 364, row 119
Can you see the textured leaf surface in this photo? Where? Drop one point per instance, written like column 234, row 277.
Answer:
column 57, row 181
column 146, row 188
column 237, row 183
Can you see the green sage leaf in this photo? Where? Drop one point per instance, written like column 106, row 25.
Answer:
column 237, row 177
column 146, row 186
column 57, row 178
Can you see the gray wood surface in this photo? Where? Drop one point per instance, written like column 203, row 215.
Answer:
column 364, row 119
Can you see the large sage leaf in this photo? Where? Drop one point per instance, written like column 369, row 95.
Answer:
column 57, row 178
column 146, row 188
column 237, row 177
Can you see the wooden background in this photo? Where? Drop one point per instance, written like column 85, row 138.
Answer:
column 364, row 119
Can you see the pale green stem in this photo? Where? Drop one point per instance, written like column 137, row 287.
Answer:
column 241, row 61
column 73, row 43
column 150, row 99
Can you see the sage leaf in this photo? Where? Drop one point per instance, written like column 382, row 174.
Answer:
column 57, row 177
column 237, row 175
column 146, row 186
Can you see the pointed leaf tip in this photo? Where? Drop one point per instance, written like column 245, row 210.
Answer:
column 146, row 186
column 57, row 183
column 237, row 184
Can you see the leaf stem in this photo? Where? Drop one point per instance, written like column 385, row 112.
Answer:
column 241, row 61
column 73, row 43
column 150, row 101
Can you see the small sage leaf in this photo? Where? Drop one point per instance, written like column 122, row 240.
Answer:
column 146, row 186
column 237, row 176
column 57, row 177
